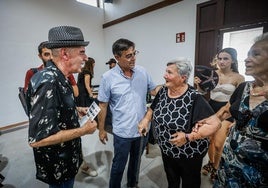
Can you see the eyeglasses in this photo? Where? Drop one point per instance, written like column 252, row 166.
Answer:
column 129, row 56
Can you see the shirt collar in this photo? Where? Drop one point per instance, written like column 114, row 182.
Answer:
column 118, row 69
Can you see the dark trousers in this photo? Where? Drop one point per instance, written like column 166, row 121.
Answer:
column 124, row 147
column 186, row 171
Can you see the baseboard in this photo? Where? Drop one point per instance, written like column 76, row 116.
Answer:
column 12, row 126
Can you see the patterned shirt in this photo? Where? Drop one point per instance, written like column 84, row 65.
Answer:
column 245, row 156
column 171, row 115
column 52, row 108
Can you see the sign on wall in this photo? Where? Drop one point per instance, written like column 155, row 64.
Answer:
column 180, row 37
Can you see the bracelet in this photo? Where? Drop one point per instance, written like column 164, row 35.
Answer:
column 187, row 137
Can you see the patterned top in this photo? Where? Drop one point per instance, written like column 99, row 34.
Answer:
column 171, row 115
column 52, row 108
column 245, row 156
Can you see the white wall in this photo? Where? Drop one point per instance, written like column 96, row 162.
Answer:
column 120, row 8
column 24, row 24
column 155, row 36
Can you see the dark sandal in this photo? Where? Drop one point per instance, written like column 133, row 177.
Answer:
column 213, row 175
column 207, row 168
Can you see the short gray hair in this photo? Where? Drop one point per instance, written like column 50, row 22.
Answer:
column 183, row 65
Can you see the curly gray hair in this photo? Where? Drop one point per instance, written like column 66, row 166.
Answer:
column 183, row 65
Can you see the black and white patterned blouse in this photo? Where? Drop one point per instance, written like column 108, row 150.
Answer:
column 171, row 115
column 52, row 108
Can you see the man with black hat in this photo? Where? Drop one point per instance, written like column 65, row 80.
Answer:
column 54, row 130
column 111, row 63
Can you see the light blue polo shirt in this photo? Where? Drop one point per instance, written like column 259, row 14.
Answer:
column 126, row 97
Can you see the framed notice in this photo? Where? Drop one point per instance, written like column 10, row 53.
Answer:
column 180, row 37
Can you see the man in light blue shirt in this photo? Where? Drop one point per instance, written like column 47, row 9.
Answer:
column 124, row 87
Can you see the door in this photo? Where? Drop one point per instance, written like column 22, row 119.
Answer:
column 216, row 17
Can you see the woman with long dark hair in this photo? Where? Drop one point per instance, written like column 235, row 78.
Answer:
column 226, row 66
column 84, row 83
column 84, row 99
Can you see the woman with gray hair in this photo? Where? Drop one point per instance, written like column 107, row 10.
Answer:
column 176, row 108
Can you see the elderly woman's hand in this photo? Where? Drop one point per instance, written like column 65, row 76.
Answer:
column 209, row 120
column 178, row 139
column 143, row 127
column 196, row 127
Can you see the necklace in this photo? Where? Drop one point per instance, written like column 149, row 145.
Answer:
column 258, row 93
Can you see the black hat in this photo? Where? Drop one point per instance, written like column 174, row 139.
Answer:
column 112, row 60
column 208, row 76
column 65, row 36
